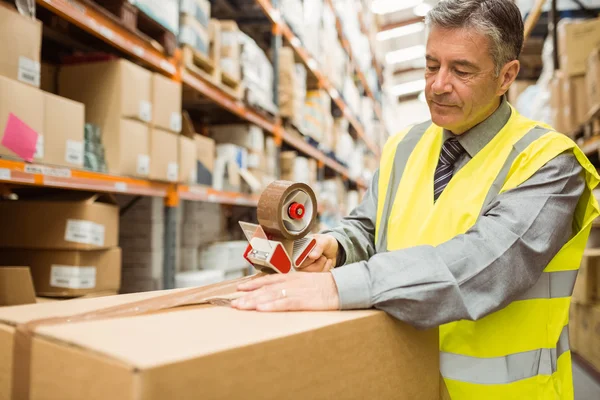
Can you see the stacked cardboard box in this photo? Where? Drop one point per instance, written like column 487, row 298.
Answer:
column 298, row 169
column 576, row 40
column 69, row 241
column 569, row 102
column 257, row 75
column 317, row 111
column 230, row 41
column 137, row 112
column 158, row 355
column 313, row 28
column 292, row 87
column 165, row 12
column 293, row 14
column 194, row 24
column 141, row 238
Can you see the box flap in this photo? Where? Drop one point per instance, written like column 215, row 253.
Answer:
column 16, row 286
column 190, row 332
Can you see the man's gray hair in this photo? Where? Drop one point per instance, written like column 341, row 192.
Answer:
column 499, row 20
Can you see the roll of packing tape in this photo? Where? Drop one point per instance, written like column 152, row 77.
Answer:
column 278, row 201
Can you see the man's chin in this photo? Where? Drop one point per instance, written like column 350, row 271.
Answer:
column 444, row 121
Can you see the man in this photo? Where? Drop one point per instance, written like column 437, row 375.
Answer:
column 475, row 222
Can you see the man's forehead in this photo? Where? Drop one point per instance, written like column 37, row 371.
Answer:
column 460, row 46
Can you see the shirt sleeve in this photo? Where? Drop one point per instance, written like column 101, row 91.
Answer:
column 356, row 233
column 481, row 271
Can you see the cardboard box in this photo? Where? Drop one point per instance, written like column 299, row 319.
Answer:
column 63, row 131
column 231, row 49
column 110, row 90
column 20, row 46
column 166, row 103
column 231, row 159
column 17, row 286
column 576, row 40
column 556, row 103
column 120, row 357
column 206, row 153
column 128, row 148
column 70, row 221
column 141, row 236
column 194, row 34
column 145, row 210
column 248, row 136
column 49, row 78
column 595, row 355
column 164, row 148
column 198, row 9
column 576, row 104
column 592, row 81
column 188, row 168
column 586, row 286
column 24, row 102
column 69, row 273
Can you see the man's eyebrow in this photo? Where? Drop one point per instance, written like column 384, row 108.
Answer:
column 431, row 58
column 465, row 63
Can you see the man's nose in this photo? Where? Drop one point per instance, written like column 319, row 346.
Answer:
column 441, row 83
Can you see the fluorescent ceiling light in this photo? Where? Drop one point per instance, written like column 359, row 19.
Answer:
column 407, row 88
column 422, row 9
column 401, row 31
column 407, row 54
column 390, row 6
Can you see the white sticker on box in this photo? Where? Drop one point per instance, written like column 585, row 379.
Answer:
column 74, row 152
column 39, row 147
column 29, row 71
column 143, row 164
column 85, row 232
column 176, row 121
column 173, row 172
column 68, row 277
column 145, row 111
column 5, row 174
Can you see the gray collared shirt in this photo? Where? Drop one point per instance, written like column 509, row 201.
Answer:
column 471, row 275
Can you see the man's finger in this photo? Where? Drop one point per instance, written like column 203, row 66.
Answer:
column 316, row 252
column 260, row 282
column 287, row 304
column 328, row 266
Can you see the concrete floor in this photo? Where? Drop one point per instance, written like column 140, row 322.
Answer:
column 586, row 386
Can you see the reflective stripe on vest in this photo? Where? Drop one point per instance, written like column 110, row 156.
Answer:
column 507, row 369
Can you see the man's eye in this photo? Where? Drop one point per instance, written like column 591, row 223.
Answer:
column 461, row 74
column 432, row 69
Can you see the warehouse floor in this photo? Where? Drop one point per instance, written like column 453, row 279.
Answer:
column 586, row 387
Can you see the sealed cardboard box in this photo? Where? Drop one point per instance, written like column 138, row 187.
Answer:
column 69, row 273
column 63, row 131
column 194, row 34
column 127, row 147
column 110, row 90
column 73, row 221
column 595, row 355
column 198, row 9
column 301, row 355
column 557, row 102
column 592, row 80
column 248, row 136
column 206, row 152
column 164, row 147
column 231, row 49
column 584, row 330
column 586, row 288
column 17, row 286
column 23, row 102
column 20, row 46
column 576, row 40
column 166, row 103
column 187, row 160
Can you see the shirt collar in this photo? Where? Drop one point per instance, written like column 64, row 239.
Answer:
column 476, row 138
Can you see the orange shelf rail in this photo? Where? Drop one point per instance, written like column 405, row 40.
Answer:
column 19, row 172
column 92, row 21
column 208, row 194
column 312, row 65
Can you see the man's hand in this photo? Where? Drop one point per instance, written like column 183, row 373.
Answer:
column 297, row 291
column 323, row 257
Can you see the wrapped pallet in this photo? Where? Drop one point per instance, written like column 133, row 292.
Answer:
column 292, row 87
column 257, row 75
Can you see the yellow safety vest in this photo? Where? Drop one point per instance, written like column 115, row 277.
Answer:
column 521, row 351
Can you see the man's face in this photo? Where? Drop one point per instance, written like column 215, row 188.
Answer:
column 462, row 89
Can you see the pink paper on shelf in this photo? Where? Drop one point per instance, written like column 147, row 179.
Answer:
column 20, row 138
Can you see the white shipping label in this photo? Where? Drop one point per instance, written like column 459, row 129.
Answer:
column 39, row 147
column 173, row 172
column 145, row 111
column 86, row 232
column 143, row 164
column 74, row 152
column 64, row 276
column 176, row 122
column 29, row 71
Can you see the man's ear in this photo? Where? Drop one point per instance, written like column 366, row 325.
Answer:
column 508, row 75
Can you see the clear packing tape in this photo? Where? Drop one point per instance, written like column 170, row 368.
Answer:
column 26, row 7
column 219, row 294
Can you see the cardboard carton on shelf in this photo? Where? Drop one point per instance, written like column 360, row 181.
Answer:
column 141, row 235
column 248, row 136
column 164, row 149
column 63, row 132
column 205, row 165
column 592, row 80
column 187, row 160
column 17, row 286
column 194, row 34
column 586, row 289
column 198, row 9
column 20, row 103
column 68, row 273
column 576, row 101
column 20, row 46
column 71, row 221
column 576, row 40
column 145, row 210
column 557, row 103
column 110, row 90
column 231, row 49
column 127, row 148
column 517, row 88
column 166, row 103
column 120, row 358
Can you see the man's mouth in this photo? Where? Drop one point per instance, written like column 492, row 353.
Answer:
column 442, row 105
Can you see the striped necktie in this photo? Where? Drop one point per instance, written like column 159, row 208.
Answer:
column 451, row 151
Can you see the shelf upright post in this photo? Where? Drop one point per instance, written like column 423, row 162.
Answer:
column 170, row 240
